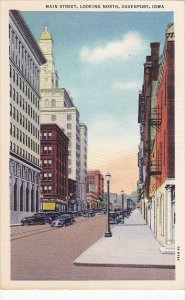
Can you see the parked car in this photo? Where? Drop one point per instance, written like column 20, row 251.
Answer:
column 53, row 214
column 89, row 213
column 114, row 217
column 71, row 213
column 65, row 219
column 38, row 218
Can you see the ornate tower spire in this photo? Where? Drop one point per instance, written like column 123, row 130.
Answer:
column 48, row 75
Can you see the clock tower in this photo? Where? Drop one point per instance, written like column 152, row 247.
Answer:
column 48, row 76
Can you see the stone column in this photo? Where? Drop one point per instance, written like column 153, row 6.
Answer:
column 169, row 214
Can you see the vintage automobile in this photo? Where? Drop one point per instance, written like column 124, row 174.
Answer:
column 38, row 218
column 115, row 217
column 89, row 213
column 52, row 214
column 63, row 220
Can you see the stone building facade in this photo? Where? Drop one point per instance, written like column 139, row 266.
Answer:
column 25, row 59
column 83, row 165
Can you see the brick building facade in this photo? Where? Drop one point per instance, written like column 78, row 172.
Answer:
column 156, row 185
column 54, row 161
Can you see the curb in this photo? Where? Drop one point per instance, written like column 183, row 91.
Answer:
column 124, row 265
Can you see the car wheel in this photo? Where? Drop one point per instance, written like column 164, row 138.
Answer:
column 25, row 223
column 46, row 222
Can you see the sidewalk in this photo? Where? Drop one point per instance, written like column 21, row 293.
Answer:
column 131, row 245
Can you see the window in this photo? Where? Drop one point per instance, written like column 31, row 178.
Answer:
column 46, row 103
column 10, row 90
column 49, row 150
column 68, row 117
column 45, row 176
column 68, row 125
column 53, row 103
column 10, row 71
column 53, row 117
column 49, row 135
column 45, row 149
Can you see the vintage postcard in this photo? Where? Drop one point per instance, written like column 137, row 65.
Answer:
column 92, row 145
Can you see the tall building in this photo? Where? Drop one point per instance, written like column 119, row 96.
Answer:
column 83, row 165
column 95, row 187
column 156, row 185
column 54, row 162
column 57, row 107
column 164, row 196
column 25, row 59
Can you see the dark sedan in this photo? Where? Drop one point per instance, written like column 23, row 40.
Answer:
column 89, row 213
column 63, row 220
column 38, row 218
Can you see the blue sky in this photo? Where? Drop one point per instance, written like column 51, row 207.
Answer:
column 99, row 58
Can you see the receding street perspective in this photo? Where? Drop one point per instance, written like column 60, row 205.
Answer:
column 92, row 145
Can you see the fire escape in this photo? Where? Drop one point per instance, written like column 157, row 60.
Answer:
column 155, row 116
column 155, row 167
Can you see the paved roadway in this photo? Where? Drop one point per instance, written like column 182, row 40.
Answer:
column 41, row 252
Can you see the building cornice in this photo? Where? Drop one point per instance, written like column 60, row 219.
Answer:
column 25, row 160
column 27, row 35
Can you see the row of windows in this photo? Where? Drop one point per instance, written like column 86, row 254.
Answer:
column 24, row 122
column 22, row 59
column 23, row 87
column 23, row 104
column 50, row 103
column 46, row 135
column 23, row 172
column 46, row 149
column 25, row 154
column 23, row 138
column 47, row 176
column 46, row 188
column 46, row 163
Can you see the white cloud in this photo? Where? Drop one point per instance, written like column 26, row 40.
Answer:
column 130, row 44
column 126, row 85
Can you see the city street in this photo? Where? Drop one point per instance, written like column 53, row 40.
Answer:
column 41, row 252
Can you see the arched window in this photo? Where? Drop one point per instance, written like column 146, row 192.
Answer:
column 46, row 103
column 53, row 103
column 15, row 197
column 37, row 200
column 21, row 197
column 32, row 200
column 27, row 198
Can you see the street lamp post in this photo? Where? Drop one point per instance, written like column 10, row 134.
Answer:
column 123, row 216
column 108, row 233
